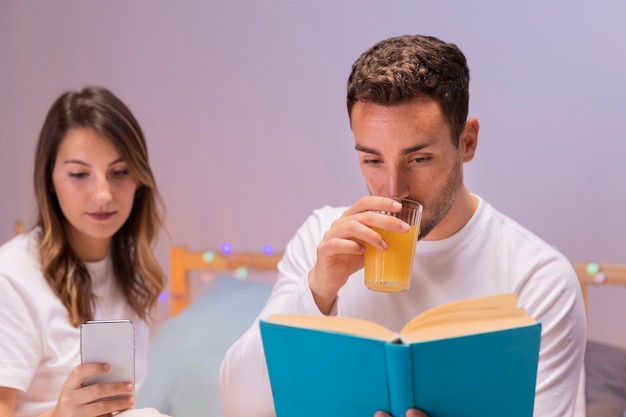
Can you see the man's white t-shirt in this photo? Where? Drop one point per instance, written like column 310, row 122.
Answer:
column 491, row 254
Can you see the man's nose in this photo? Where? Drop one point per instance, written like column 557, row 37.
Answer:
column 397, row 184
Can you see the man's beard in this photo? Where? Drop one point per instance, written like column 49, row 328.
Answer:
column 441, row 206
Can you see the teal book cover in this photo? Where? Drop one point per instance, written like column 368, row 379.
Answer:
column 316, row 372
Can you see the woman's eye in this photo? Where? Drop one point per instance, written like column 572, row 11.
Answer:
column 78, row 174
column 118, row 173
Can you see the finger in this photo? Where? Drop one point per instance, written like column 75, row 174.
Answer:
column 339, row 246
column 409, row 413
column 382, row 221
column 107, row 406
column 348, row 238
column 107, row 392
column 415, row 413
column 359, row 228
column 79, row 373
column 373, row 203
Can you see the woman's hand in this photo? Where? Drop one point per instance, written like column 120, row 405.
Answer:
column 92, row 400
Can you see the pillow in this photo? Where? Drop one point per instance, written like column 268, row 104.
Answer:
column 186, row 352
column 605, row 387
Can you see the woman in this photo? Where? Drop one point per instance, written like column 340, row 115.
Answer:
column 89, row 257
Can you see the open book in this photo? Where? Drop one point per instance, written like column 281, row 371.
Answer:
column 474, row 357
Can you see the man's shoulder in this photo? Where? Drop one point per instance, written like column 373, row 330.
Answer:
column 324, row 216
column 319, row 221
column 519, row 241
column 329, row 212
column 514, row 228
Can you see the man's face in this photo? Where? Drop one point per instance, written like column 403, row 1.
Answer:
column 406, row 150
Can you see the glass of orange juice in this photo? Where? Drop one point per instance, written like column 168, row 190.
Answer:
column 390, row 270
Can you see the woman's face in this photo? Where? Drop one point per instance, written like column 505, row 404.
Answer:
column 95, row 191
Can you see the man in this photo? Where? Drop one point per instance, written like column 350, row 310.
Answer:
column 408, row 107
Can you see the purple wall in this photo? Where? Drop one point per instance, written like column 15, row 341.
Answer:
column 244, row 107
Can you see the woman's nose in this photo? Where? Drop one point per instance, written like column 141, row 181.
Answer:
column 102, row 194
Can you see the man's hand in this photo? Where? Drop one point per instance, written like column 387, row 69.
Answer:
column 409, row 413
column 340, row 253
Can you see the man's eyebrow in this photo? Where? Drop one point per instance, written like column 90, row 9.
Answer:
column 415, row 148
column 406, row 151
column 366, row 150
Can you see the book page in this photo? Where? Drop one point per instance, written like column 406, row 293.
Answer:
column 464, row 316
column 449, row 330
column 475, row 315
column 351, row 326
column 489, row 302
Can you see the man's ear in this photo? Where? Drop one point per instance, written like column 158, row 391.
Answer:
column 468, row 140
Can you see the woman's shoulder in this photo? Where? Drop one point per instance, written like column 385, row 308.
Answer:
column 20, row 253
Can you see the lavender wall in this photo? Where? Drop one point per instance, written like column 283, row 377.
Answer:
column 243, row 107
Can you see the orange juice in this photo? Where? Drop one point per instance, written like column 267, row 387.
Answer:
column 390, row 270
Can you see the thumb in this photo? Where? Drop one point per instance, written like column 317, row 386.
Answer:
column 415, row 413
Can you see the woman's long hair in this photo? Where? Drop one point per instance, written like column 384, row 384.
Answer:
column 139, row 275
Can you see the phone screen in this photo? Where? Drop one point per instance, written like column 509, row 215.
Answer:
column 112, row 342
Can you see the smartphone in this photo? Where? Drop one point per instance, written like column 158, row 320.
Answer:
column 112, row 342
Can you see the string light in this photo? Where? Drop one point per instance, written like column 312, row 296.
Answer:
column 227, row 248
column 241, row 273
column 267, row 249
column 593, row 268
column 598, row 276
column 208, row 256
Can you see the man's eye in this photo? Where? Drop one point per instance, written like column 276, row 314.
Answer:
column 372, row 161
column 421, row 159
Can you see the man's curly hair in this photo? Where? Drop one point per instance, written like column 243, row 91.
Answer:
column 406, row 67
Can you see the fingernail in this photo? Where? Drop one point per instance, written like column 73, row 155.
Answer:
column 129, row 387
column 397, row 205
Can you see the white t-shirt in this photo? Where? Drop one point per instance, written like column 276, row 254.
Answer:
column 491, row 254
column 38, row 345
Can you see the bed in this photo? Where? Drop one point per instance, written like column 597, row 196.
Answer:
column 605, row 364
column 215, row 297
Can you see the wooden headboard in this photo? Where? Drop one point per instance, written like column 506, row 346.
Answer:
column 183, row 261
column 591, row 273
